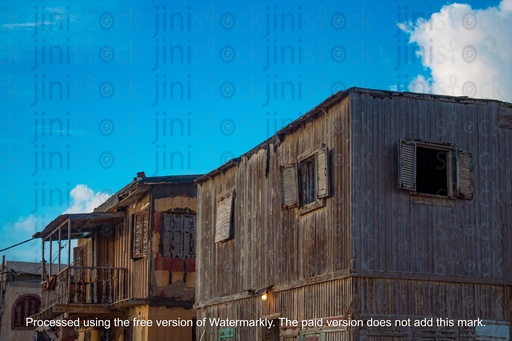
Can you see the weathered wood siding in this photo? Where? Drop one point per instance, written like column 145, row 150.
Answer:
column 332, row 298
column 271, row 246
column 438, row 257
column 392, row 234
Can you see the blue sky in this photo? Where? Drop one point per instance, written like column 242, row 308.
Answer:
column 91, row 93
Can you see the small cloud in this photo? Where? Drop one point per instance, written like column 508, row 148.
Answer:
column 466, row 52
column 26, row 225
column 85, row 200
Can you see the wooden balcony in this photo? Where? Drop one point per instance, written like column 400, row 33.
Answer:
column 84, row 289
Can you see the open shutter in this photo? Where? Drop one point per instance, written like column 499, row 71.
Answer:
column 407, row 165
column 289, row 190
column 224, row 213
column 465, row 175
column 137, row 242
column 322, row 173
column 145, row 234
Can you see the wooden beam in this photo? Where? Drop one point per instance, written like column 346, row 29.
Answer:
column 69, row 260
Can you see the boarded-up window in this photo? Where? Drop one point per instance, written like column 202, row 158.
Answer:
column 140, row 234
column 227, row 334
column 224, row 223
column 24, row 307
column 178, row 235
column 435, row 169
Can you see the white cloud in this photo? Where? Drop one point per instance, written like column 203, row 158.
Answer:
column 26, row 225
column 85, row 200
column 468, row 52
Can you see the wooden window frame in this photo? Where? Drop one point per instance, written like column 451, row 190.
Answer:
column 175, row 236
column 224, row 217
column 295, row 176
column 459, row 169
column 140, row 229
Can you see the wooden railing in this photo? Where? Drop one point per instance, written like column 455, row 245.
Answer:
column 85, row 285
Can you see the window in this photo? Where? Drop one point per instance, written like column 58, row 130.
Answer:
column 24, row 307
column 306, row 183
column 178, row 235
column 140, row 234
column 224, row 222
column 435, row 169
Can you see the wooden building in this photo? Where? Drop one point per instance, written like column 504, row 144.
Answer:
column 373, row 206
column 134, row 258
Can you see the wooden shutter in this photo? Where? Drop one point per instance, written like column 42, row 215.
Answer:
column 465, row 175
column 145, row 234
column 137, row 241
column 407, row 165
column 140, row 235
column 289, row 185
column 322, row 173
column 178, row 235
column 166, row 235
column 189, row 236
column 223, row 222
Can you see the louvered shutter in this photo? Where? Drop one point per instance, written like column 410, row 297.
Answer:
column 189, row 231
column 176, row 235
column 322, row 173
column 223, row 222
column 137, row 242
column 167, row 235
column 407, row 165
column 289, row 190
column 465, row 175
column 145, row 234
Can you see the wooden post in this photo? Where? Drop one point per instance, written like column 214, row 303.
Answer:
column 42, row 260
column 60, row 246
column 69, row 261
column 50, row 259
column 2, row 281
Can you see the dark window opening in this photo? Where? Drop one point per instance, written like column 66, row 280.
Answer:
column 308, row 181
column 431, row 171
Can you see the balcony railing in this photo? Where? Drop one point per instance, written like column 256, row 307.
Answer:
column 85, row 285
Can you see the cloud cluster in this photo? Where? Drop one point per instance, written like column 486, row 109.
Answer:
column 468, row 52
column 85, row 200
